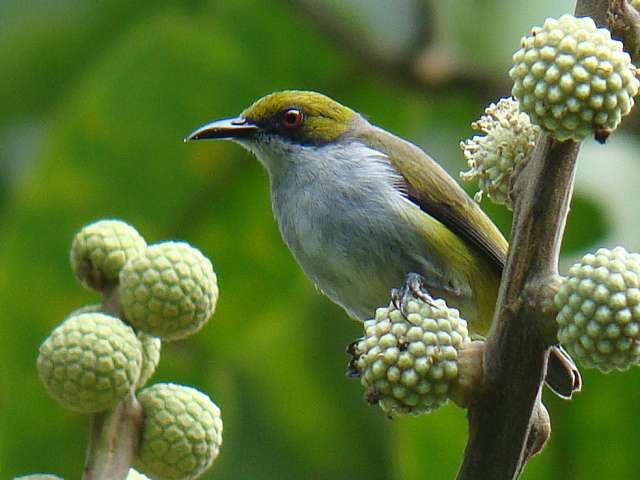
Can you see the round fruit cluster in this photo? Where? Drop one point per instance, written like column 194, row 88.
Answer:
column 180, row 420
column 573, row 79
column 103, row 353
column 408, row 358
column 599, row 310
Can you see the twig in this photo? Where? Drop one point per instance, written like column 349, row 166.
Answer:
column 114, row 435
column 516, row 352
column 113, row 441
column 422, row 65
column 624, row 23
column 501, row 436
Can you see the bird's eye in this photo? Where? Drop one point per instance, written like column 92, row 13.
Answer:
column 292, row 118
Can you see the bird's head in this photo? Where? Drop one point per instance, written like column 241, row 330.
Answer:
column 281, row 124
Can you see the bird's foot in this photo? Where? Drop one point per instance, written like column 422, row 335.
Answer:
column 414, row 287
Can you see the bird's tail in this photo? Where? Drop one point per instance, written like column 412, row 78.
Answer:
column 563, row 376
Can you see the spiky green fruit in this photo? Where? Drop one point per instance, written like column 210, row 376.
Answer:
column 169, row 291
column 599, row 310
column 408, row 363
column 509, row 138
column 181, row 434
column 90, row 362
column 572, row 79
column 151, row 347
column 100, row 250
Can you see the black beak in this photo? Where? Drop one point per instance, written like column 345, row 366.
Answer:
column 227, row 128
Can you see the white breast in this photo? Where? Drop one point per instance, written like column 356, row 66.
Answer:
column 340, row 210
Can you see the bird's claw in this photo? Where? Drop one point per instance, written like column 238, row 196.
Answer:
column 414, row 287
column 396, row 297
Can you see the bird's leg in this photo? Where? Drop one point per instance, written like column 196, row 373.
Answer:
column 414, row 287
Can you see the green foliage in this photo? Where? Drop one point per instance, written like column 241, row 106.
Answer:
column 112, row 90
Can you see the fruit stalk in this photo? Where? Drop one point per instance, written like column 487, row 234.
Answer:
column 516, row 351
column 114, row 435
column 501, row 422
column 113, row 441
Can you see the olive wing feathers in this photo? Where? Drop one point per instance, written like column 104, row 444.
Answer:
column 430, row 187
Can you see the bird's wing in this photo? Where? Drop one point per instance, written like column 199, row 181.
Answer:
column 430, row 187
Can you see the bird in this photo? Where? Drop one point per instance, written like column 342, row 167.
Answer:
column 361, row 209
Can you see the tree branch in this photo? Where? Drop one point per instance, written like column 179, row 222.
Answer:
column 505, row 421
column 423, row 64
column 624, row 23
column 113, row 441
column 115, row 434
column 516, row 351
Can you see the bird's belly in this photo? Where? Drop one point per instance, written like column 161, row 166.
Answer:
column 347, row 222
column 356, row 261
column 361, row 298
column 358, row 278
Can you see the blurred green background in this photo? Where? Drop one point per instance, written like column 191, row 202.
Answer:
column 95, row 100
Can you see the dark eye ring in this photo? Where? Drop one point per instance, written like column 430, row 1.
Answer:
column 292, row 118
